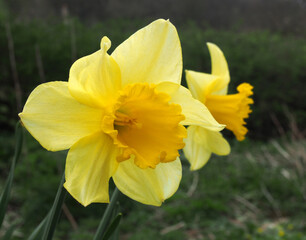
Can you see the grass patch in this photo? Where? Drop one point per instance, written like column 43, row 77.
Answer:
column 257, row 192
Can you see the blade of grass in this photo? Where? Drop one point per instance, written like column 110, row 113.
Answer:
column 116, row 211
column 55, row 211
column 38, row 232
column 8, row 185
column 112, row 227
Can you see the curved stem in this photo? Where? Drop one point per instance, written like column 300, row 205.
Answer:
column 56, row 209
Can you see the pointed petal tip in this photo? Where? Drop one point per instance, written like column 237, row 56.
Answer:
column 163, row 21
column 20, row 115
column 149, row 49
column 157, row 204
column 83, row 202
column 216, row 53
column 215, row 127
column 67, row 187
column 105, row 43
column 148, row 186
column 210, row 44
column 226, row 153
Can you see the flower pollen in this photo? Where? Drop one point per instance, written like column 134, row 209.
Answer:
column 123, row 119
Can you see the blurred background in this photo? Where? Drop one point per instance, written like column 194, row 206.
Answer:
column 257, row 192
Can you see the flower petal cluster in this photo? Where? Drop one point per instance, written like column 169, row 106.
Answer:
column 229, row 109
column 121, row 116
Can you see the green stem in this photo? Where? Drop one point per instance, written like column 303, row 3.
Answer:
column 107, row 215
column 56, row 209
column 8, row 185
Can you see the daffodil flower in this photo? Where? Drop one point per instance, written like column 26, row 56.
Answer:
column 231, row 110
column 121, row 116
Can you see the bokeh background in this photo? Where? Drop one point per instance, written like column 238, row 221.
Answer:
column 257, row 192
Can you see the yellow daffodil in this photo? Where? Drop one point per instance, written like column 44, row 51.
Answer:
column 120, row 116
column 231, row 110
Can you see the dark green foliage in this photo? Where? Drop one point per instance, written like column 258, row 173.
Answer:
column 9, row 233
column 112, row 228
column 55, row 211
column 110, row 219
column 256, row 192
column 5, row 195
column 251, row 194
column 273, row 63
column 235, row 196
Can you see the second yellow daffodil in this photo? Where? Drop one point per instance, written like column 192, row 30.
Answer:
column 231, row 110
column 121, row 116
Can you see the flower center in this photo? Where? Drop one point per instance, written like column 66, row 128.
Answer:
column 145, row 126
column 123, row 119
column 232, row 109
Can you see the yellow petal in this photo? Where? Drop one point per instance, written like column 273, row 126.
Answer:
column 95, row 79
column 201, row 143
column 56, row 119
column 219, row 68
column 148, row 186
column 198, row 84
column 90, row 164
column 194, row 111
column 152, row 55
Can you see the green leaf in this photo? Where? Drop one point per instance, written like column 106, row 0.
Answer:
column 53, row 216
column 115, row 235
column 8, row 185
column 107, row 216
column 38, row 232
column 9, row 233
column 112, row 227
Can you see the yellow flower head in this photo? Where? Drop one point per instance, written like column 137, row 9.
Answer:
column 231, row 110
column 120, row 116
